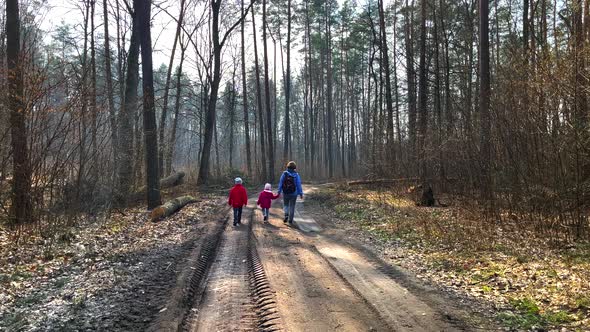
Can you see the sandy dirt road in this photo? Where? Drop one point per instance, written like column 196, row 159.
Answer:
column 302, row 277
column 324, row 285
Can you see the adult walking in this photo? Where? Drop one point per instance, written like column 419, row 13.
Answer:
column 290, row 187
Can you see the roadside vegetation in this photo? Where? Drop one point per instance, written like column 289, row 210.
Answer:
column 531, row 281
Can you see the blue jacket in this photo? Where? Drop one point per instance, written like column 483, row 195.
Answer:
column 294, row 174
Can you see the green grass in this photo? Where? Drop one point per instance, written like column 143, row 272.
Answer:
column 520, row 321
column 583, row 302
column 528, row 315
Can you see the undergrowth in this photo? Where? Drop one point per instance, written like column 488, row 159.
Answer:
column 534, row 283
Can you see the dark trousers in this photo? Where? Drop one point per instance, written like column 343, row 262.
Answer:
column 289, row 206
column 237, row 215
column 265, row 212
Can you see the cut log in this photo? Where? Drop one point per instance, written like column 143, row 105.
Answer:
column 382, row 181
column 170, row 181
column 170, row 207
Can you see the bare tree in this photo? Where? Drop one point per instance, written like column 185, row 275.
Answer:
column 21, row 184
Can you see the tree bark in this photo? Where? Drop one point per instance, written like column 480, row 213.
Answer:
column 269, row 136
column 288, row 86
column 329, row 111
column 388, row 95
column 172, row 143
column 410, row 73
column 259, row 100
column 170, row 207
column 143, row 10
column 162, row 129
column 125, row 120
column 109, row 83
column 20, row 210
column 484, row 93
column 245, row 99
column 423, row 96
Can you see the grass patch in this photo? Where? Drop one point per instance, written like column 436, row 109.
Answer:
column 457, row 245
column 520, row 321
column 583, row 302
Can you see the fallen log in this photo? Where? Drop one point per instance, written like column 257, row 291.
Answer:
column 170, row 181
column 170, row 207
column 382, row 181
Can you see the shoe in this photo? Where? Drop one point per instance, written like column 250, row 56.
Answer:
column 239, row 222
column 286, row 219
column 291, row 222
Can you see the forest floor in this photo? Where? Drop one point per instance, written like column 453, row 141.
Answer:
column 110, row 273
column 519, row 279
column 355, row 260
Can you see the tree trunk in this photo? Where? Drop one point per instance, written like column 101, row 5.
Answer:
column 172, row 143
column 484, row 94
column 164, row 114
column 170, row 207
column 271, row 159
column 259, row 101
column 143, row 10
column 245, row 99
column 125, row 163
column 423, row 96
column 329, row 111
column 93, row 106
column 411, row 80
column 388, row 95
column 288, row 86
column 109, row 83
column 20, row 210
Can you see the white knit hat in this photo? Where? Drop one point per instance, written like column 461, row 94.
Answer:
column 238, row 180
column 267, row 186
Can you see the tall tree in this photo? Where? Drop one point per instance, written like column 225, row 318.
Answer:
column 125, row 118
column 287, row 138
column 271, row 159
column 329, row 78
column 214, row 80
column 259, row 99
column 21, row 170
column 386, row 68
column 177, row 105
column 109, row 83
column 245, row 97
column 484, row 90
column 423, row 93
column 411, row 76
column 143, row 10
column 164, row 114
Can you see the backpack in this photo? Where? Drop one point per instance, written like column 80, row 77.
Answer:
column 289, row 184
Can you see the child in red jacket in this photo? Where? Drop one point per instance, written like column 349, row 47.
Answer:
column 265, row 199
column 238, row 198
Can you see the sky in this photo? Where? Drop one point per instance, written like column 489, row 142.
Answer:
column 163, row 30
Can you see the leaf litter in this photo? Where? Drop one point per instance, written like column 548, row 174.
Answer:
column 104, row 274
column 526, row 283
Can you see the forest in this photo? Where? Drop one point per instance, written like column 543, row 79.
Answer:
column 481, row 104
column 486, row 102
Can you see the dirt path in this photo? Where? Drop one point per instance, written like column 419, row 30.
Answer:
column 226, row 303
column 310, row 295
column 323, row 285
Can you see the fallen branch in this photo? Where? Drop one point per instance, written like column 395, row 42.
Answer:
column 170, row 207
